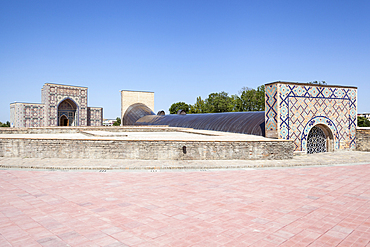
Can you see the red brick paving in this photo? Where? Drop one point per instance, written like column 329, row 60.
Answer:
column 312, row 206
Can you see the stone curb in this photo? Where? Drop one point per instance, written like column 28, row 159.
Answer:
column 174, row 167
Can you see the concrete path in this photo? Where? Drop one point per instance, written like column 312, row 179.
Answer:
column 306, row 206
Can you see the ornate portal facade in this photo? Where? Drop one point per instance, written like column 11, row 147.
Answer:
column 62, row 105
column 309, row 113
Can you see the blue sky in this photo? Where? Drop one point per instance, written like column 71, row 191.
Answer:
column 179, row 49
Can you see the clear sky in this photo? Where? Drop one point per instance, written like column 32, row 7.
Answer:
column 179, row 49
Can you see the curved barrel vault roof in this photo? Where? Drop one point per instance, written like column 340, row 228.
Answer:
column 236, row 122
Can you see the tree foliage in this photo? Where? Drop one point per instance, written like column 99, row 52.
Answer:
column 198, row 107
column 117, row 122
column 247, row 100
column 363, row 122
column 219, row 102
column 251, row 99
column 7, row 124
column 175, row 107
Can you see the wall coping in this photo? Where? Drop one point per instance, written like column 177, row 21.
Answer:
column 308, row 84
column 136, row 140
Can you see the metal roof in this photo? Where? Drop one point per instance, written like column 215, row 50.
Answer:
column 135, row 112
column 236, row 122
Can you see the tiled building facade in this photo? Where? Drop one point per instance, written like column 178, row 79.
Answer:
column 304, row 112
column 27, row 114
column 95, row 116
column 62, row 105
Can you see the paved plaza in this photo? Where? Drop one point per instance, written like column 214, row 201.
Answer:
column 299, row 206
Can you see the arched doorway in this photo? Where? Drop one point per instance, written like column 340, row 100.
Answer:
column 320, row 140
column 67, row 113
column 64, row 121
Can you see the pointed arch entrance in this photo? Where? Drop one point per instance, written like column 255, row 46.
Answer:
column 67, row 113
column 325, row 125
column 320, row 139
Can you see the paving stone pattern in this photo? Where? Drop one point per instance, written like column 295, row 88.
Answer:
column 310, row 206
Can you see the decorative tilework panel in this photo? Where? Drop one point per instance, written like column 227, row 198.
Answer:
column 94, row 116
column 300, row 104
column 271, row 112
column 33, row 115
column 322, row 121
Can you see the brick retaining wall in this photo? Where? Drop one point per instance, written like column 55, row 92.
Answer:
column 363, row 139
column 146, row 150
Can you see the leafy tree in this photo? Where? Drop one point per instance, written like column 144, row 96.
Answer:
column 234, row 99
column 251, row 99
column 219, row 102
column 261, row 98
column 175, row 107
column 363, row 122
column 117, row 122
column 7, row 124
column 198, row 107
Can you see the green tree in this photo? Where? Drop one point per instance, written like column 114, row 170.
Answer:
column 117, row 122
column 260, row 95
column 234, row 99
column 7, row 124
column 251, row 99
column 219, row 102
column 175, row 107
column 198, row 107
column 363, row 122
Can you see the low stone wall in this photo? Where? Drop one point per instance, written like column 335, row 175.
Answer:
column 363, row 139
column 146, row 150
column 66, row 130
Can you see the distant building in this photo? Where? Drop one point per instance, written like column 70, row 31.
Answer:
column 62, row 105
column 109, row 122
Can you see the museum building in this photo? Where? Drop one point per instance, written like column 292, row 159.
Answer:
column 317, row 118
column 62, row 105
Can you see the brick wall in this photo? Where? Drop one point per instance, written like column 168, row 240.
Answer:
column 146, row 150
column 363, row 139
